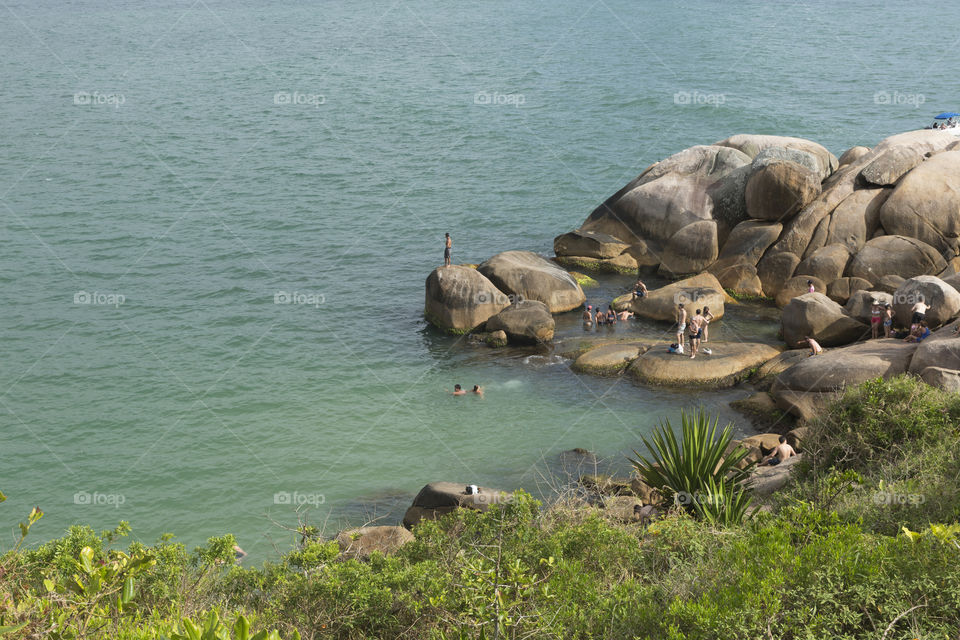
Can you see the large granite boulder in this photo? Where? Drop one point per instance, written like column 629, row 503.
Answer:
column 690, row 250
column 852, row 155
column 774, row 269
column 749, row 240
column 817, row 316
column 769, row 370
column 752, row 145
column 803, row 405
column 926, row 203
column 841, row 289
column 891, row 282
column 661, row 304
column 527, row 276
column 740, row 278
column 895, row 156
column 848, row 366
column 856, row 219
column 590, row 244
column 728, row 364
column 798, row 286
column 895, row 255
column 623, row 263
column 672, row 194
column 360, row 543
column 778, row 188
column 943, row 299
column 941, row 378
column 524, row 322
column 460, row 298
column 439, row 498
column 827, row 264
column 608, row 359
column 860, row 303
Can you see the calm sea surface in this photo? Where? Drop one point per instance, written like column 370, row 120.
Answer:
column 169, row 169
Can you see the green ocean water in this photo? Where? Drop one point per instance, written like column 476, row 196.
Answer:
column 170, row 170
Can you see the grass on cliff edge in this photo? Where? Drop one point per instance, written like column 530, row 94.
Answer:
column 812, row 570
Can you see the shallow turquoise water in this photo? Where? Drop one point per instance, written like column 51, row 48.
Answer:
column 145, row 155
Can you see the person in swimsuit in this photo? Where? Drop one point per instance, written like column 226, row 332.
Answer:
column 625, row 315
column 639, row 290
column 875, row 320
column 458, row 390
column 601, row 317
column 707, row 317
column 611, row 315
column 887, row 320
column 815, row 348
column 447, row 250
column 588, row 316
column 681, row 325
column 696, row 333
column 477, row 390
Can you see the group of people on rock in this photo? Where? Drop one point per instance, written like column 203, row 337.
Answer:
column 697, row 328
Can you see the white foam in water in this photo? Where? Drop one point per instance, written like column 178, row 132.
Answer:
column 544, row 361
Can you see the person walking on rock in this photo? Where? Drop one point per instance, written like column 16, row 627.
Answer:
column 448, row 246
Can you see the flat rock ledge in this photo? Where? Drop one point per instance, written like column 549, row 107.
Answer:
column 609, row 359
column 728, row 364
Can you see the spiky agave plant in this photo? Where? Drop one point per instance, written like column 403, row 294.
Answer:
column 697, row 472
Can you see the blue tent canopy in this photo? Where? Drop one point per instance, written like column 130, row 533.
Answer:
column 947, row 114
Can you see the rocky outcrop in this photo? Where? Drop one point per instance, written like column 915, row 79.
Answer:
column 895, row 156
column 767, row 480
column 752, row 145
column 802, row 405
column 773, row 367
column 458, row 299
column 841, row 289
column 729, row 363
column 527, row 276
column 524, row 322
column 748, row 241
column 623, row 263
column 439, row 498
column 775, row 269
column 589, row 244
column 848, row 366
column 798, row 286
column 739, row 278
column 362, row 542
column 856, row 219
column 860, row 303
column 895, row 255
column 608, row 359
column 661, row 304
column 817, row 316
column 943, row 299
column 825, row 264
column 942, row 349
column 941, row 378
column 779, row 187
column 852, row 155
column 926, row 204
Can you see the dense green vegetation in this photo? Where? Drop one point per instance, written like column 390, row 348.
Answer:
column 831, row 561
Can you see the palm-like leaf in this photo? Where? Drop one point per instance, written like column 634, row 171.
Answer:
column 698, row 467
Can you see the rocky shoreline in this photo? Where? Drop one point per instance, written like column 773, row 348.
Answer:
column 751, row 216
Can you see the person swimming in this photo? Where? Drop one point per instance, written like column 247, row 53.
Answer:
column 458, row 390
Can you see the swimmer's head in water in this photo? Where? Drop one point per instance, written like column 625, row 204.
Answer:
column 456, row 387
column 476, row 388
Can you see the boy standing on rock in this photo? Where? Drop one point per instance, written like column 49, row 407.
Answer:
column 446, row 251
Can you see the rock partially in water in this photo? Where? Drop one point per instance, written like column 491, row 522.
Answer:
column 527, row 276
column 729, row 363
column 524, row 322
column 458, row 299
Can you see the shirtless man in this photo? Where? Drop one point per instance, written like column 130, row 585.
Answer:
column 625, row 315
column 919, row 312
column 458, row 390
column 446, row 251
column 781, row 453
column 815, row 348
column 696, row 332
column 681, row 323
column 639, row 290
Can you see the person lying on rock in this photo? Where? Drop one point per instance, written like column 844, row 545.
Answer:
column 778, row 455
column 815, row 348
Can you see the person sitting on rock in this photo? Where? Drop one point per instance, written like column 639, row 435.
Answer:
column 588, row 316
column 815, row 348
column 918, row 332
column 458, row 390
column 639, row 290
column 810, row 287
column 781, row 453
